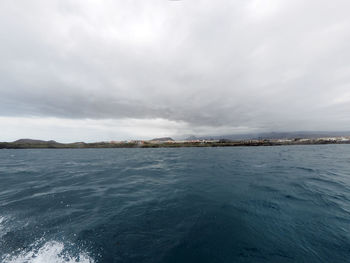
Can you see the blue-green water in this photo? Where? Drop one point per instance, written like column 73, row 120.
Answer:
column 252, row 204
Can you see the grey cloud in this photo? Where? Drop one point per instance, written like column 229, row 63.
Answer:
column 277, row 65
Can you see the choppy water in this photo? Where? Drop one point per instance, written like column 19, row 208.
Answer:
column 253, row 204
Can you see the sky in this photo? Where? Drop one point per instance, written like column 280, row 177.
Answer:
column 89, row 70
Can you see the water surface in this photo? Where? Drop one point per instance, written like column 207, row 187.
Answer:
column 249, row 204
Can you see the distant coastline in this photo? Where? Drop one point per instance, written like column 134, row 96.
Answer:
column 170, row 143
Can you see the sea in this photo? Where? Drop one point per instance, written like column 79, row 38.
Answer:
column 179, row 205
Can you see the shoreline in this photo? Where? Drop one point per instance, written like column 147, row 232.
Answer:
column 173, row 144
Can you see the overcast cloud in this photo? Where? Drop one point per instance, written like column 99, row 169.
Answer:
column 102, row 70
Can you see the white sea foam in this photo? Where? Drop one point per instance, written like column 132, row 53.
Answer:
column 50, row 252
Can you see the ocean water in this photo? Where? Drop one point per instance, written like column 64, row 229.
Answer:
column 244, row 204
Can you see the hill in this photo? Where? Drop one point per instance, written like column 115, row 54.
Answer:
column 32, row 141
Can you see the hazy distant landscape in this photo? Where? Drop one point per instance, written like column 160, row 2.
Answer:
column 264, row 139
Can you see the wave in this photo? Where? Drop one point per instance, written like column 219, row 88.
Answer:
column 2, row 219
column 50, row 252
column 2, row 226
